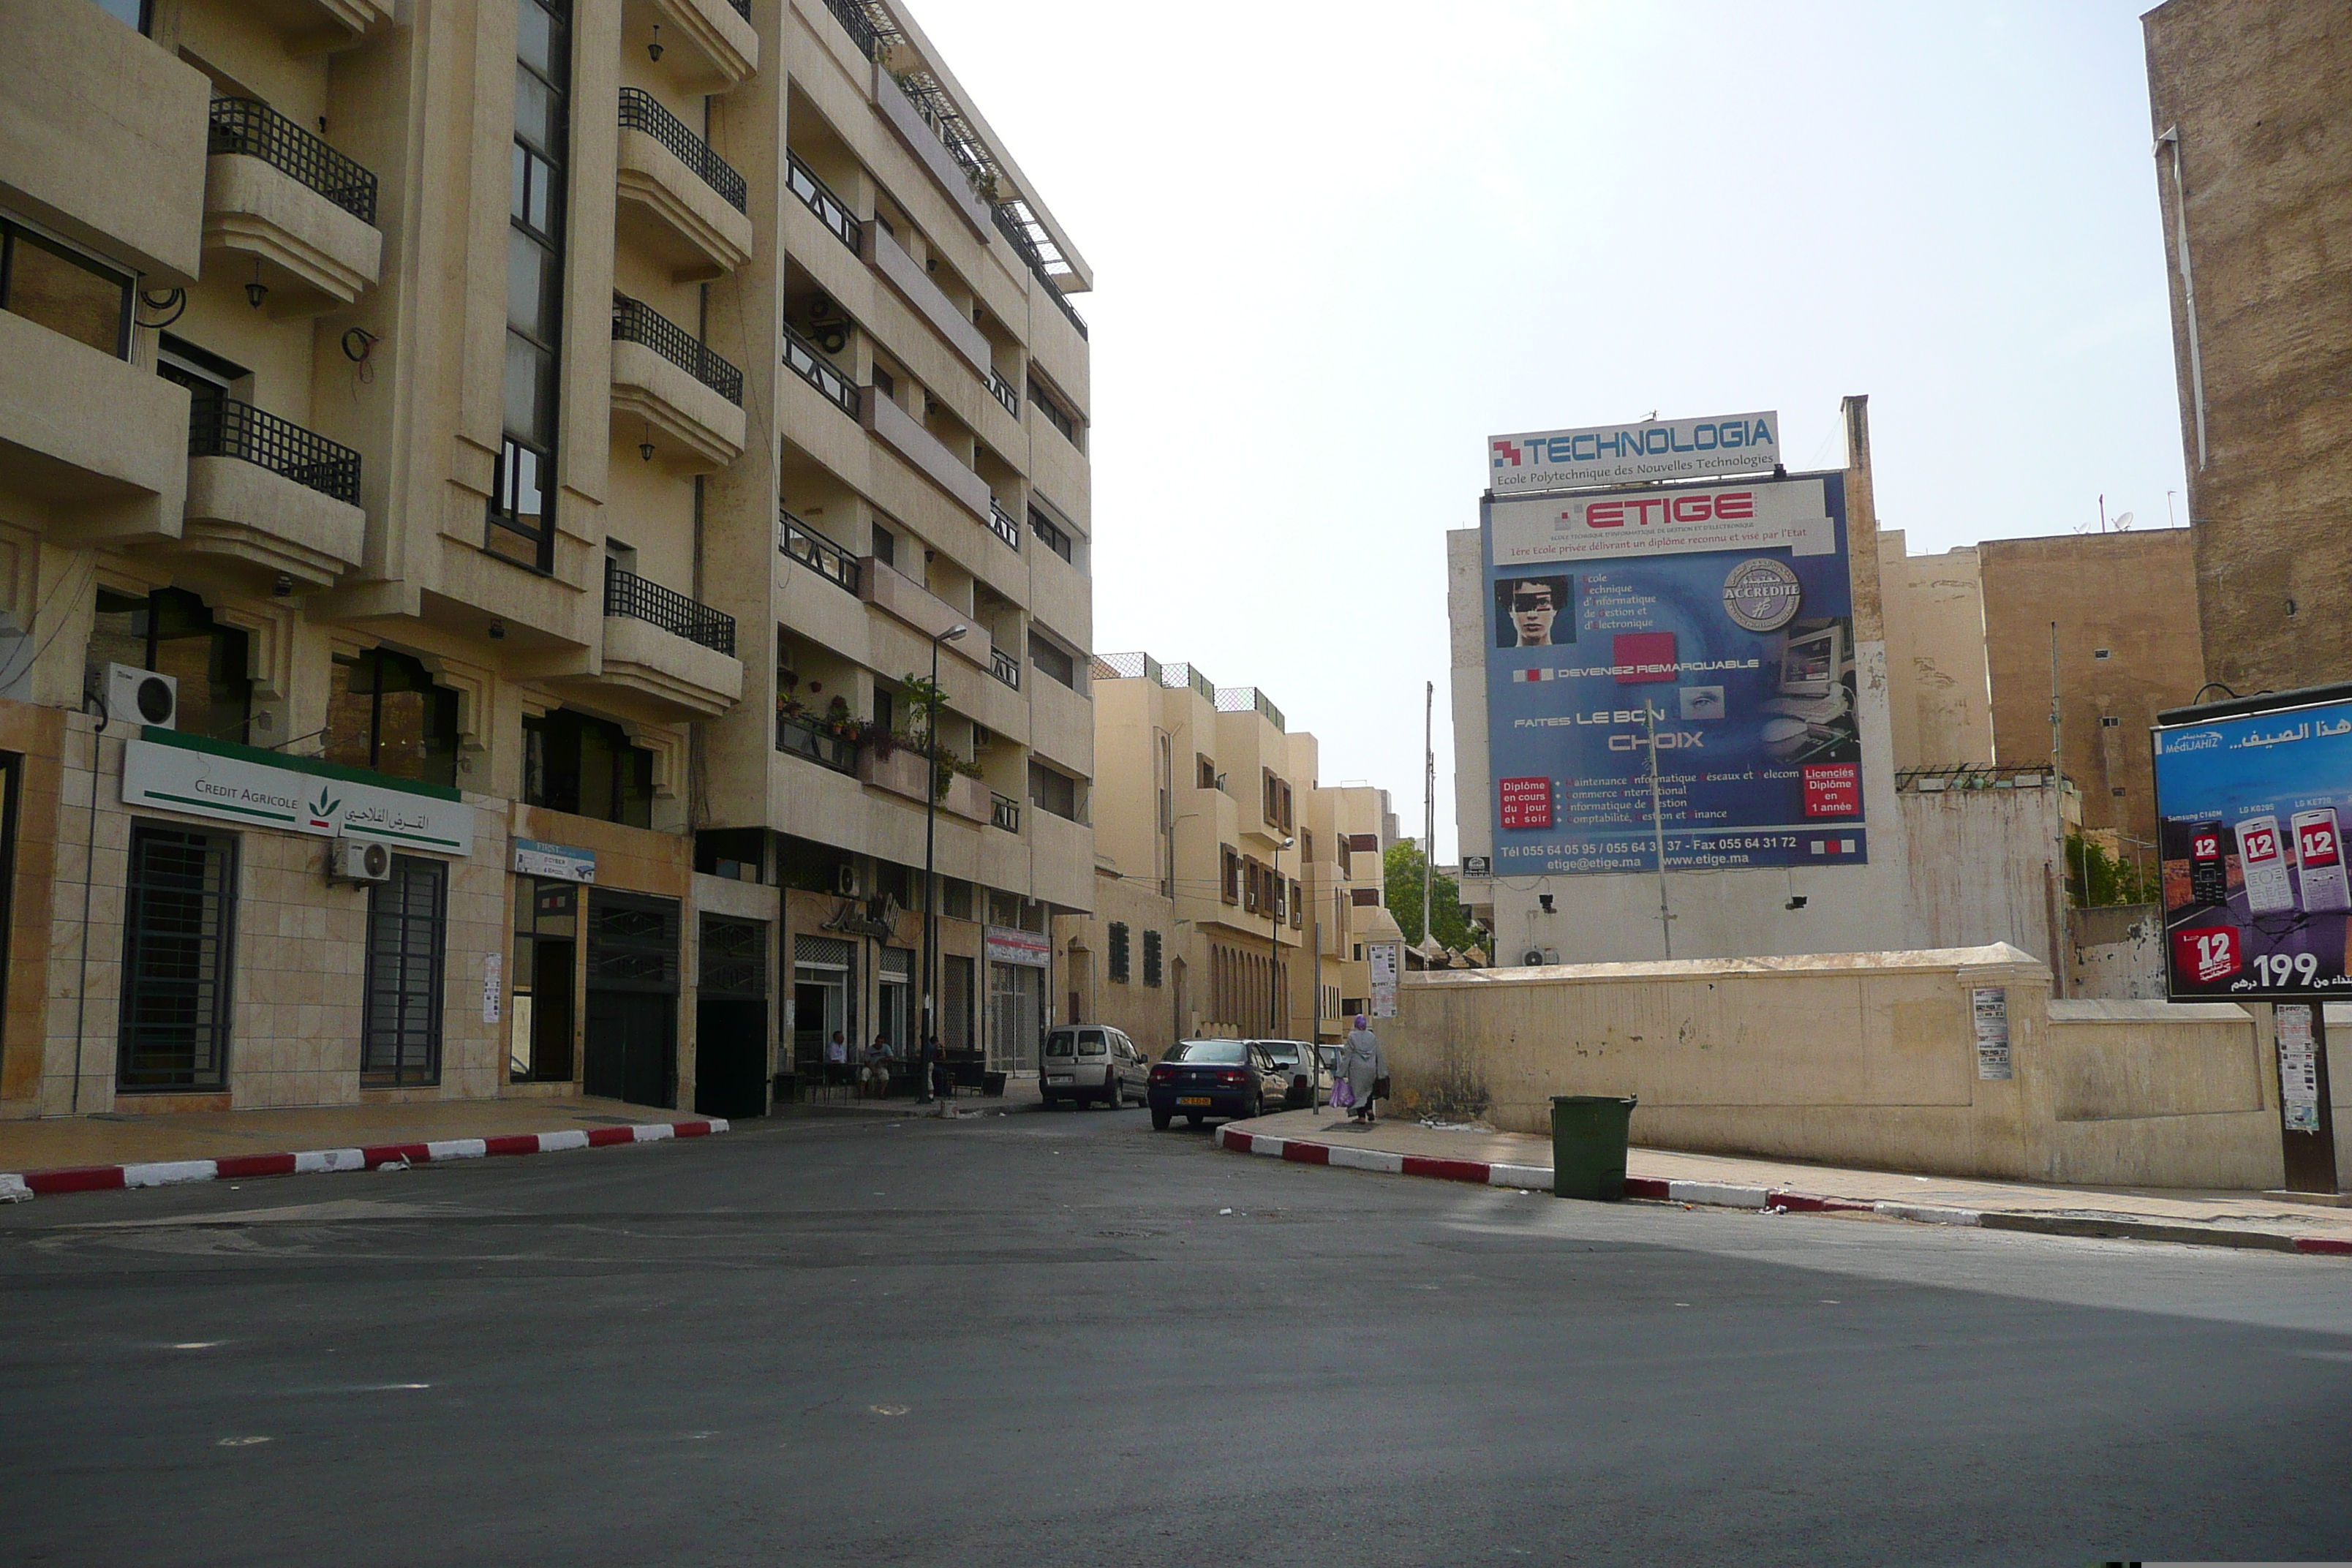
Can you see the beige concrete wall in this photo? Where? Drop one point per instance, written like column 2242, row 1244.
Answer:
column 1855, row 1058
column 1979, row 864
column 1940, row 687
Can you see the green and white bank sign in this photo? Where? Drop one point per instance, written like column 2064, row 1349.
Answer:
column 172, row 772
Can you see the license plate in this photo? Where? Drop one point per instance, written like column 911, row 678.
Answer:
column 1191, row 1099
column 1060, row 1078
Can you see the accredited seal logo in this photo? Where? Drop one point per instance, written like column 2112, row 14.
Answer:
column 1762, row 595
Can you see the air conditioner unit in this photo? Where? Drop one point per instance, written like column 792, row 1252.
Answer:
column 1532, row 958
column 360, row 860
column 827, row 325
column 845, row 880
column 136, row 696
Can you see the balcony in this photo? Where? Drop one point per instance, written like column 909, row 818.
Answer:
column 670, row 391
column 323, row 26
column 816, row 552
column 679, row 201
column 1002, row 523
column 94, row 443
column 818, row 197
column 299, row 209
column 708, row 45
column 266, row 492
column 905, row 771
column 907, row 123
column 926, row 453
column 801, row 738
column 914, row 285
column 667, row 647
column 805, row 360
column 887, row 588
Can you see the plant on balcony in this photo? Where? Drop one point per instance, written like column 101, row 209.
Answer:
column 924, row 701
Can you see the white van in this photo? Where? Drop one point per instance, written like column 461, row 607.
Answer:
column 1093, row 1062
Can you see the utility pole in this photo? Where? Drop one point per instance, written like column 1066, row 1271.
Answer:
column 1658, row 822
column 1429, row 802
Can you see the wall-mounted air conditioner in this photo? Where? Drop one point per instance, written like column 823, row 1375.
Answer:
column 136, row 696
column 358, row 860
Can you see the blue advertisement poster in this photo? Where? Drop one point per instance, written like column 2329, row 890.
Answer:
column 2249, row 828
column 1714, row 622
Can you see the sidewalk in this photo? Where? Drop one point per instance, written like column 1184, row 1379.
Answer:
column 118, row 1150
column 1512, row 1158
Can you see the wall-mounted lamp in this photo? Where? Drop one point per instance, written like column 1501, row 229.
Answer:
column 257, row 291
column 498, row 631
column 646, row 447
column 284, row 586
column 653, row 49
column 1796, row 902
column 1545, row 900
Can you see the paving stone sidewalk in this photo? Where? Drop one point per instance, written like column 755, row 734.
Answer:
column 2147, row 1205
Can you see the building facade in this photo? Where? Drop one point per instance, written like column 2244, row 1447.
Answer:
column 2253, row 176
column 545, row 443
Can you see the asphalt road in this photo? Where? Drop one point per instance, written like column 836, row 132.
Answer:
column 1041, row 1338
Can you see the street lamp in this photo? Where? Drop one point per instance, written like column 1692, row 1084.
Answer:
column 1275, row 906
column 931, row 843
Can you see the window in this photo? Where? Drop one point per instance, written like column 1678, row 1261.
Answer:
column 1053, row 661
column 2102, row 653
column 400, row 1031
column 1051, row 537
column 521, row 521
column 1206, row 772
column 885, row 546
column 586, row 766
column 2108, row 722
column 1346, row 863
column 955, row 898
column 54, row 285
column 885, row 382
column 172, row 633
column 1056, row 415
column 129, row 13
column 2118, row 791
column 384, row 712
column 1053, row 792
column 178, row 913
column 1231, row 873
column 1297, row 906
column 1152, row 957
column 1365, row 898
column 1118, row 952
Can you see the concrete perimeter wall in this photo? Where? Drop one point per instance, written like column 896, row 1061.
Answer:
column 1854, row 1058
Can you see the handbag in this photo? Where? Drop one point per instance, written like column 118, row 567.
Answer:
column 1343, row 1094
column 1380, row 1087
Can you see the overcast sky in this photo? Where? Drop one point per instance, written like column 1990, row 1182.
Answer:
column 1337, row 245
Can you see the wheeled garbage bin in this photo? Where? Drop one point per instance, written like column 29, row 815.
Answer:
column 1588, row 1134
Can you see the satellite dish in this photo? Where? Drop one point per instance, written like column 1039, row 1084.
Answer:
column 2123, row 522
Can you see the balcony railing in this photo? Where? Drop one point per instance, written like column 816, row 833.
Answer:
column 803, row 359
column 635, row 322
column 640, row 112
column 1009, row 224
column 221, row 427
column 803, row 738
column 1004, row 392
column 244, row 125
column 1004, row 667
column 1002, row 523
column 818, row 197
column 742, row 8
column 1004, row 811
column 860, row 27
column 816, row 552
column 626, row 594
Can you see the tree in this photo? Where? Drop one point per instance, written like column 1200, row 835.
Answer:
column 1402, row 873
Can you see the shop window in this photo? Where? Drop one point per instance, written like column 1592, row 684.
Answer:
column 179, row 911
column 400, row 1029
column 56, row 286
column 172, row 633
column 586, row 766
column 384, row 712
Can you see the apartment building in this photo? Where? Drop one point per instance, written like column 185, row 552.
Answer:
column 1236, row 892
column 482, row 488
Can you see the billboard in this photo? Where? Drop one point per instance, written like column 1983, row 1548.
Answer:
column 1711, row 623
column 2250, row 817
column 1650, row 452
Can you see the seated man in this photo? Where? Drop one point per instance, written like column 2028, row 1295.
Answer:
column 875, row 1076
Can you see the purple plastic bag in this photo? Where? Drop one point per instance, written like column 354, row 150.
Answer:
column 1343, row 1094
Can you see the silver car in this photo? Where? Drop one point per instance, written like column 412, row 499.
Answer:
column 1093, row 1062
column 1287, row 1056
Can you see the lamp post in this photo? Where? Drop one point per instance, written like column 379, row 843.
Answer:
column 1275, row 907
column 931, row 843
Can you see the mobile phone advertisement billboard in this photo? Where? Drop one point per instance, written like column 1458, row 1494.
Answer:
column 1714, row 622
column 2250, row 817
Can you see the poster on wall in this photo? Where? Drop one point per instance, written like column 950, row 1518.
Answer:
column 2250, row 813
column 1710, row 624
column 1385, row 958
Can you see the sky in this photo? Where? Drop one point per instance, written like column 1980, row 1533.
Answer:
column 1336, row 246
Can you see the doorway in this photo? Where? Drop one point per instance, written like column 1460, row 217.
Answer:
column 632, row 1039
column 824, row 997
column 731, row 1019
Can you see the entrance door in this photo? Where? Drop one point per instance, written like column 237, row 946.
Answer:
column 823, row 980
column 1016, row 1013
column 633, row 984
column 731, row 1019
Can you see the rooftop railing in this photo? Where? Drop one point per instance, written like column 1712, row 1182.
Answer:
column 626, row 594
column 248, row 126
column 1189, row 674
column 221, row 427
column 640, row 112
column 1009, row 224
column 1124, row 667
column 816, row 552
column 1246, row 699
column 635, row 321
column 802, row 358
column 818, row 197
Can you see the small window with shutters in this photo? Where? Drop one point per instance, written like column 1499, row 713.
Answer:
column 1152, row 957
column 1118, row 952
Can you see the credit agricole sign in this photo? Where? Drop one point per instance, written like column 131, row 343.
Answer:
column 172, row 772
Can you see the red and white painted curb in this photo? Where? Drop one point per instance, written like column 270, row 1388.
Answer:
column 1302, row 1152
column 374, row 1157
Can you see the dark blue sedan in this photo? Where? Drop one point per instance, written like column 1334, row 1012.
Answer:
column 1228, row 1078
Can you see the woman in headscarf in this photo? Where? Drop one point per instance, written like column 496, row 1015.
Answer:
column 1360, row 1060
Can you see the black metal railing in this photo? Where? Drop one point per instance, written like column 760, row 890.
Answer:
column 1010, row 226
column 248, row 126
column 1002, row 523
column 1004, row 667
column 1004, row 392
column 854, row 21
column 742, row 8
column 626, row 594
column 816, row 552
column 818, row 197
column 640, row 112
column 1004, row 811
column 803, row 738
column 802, row 358
column 635, row 322
column 221, row 427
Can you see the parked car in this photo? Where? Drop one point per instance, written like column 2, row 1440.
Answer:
column 1198, row 1078
column 1297, row 1091
column 1093, row 1062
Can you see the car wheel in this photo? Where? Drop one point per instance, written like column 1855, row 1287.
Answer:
column 1160, row 1121
column 1114, row 1097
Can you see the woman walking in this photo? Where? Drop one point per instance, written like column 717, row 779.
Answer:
column 1361, row 1063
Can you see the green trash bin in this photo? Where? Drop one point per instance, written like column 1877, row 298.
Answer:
column 1588, row 1134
